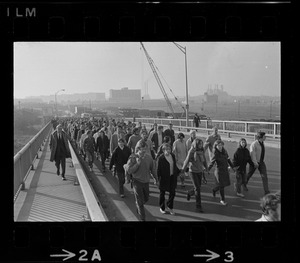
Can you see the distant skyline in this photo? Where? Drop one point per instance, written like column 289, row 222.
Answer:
column 243, row 68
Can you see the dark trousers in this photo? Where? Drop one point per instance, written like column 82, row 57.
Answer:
column 141, row 194
column 263, row 173
column 61, row 161
column 170, row 201
column 222, row 191
column 103, row 156
column 121, row 179
column 241, row 178
column 196, row 180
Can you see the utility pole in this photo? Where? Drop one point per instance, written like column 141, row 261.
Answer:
column 183, row 50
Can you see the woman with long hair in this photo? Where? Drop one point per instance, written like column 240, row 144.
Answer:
column 221, row 159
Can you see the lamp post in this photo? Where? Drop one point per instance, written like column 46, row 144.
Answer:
column 56, row 100
column 183, row 50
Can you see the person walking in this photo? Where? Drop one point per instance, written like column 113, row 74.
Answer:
column 210, row 140
column 141, row 172
column 59, row 150
column 89, row 147
column 170, row 132
column 156, row 136
column 82, row 138
column 133, row 139
column 145, row 139
column 197, row 163
column 196, row 120
column 167, row 172
column 180, row 152
column 257, row 152
column 166, row 139
column 128, row 134
column 240, row 160
column 102, row 146
column 119, row 159
column 221, row 159
column 190, row 140
column 114, row 139
column 79, row 134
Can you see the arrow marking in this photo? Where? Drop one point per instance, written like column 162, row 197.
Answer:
column 68, row 255
column 211, row 256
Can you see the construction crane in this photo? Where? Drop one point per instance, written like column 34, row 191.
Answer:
column 152, row 65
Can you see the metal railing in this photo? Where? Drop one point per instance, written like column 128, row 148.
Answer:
column 272, row 129
column 95, row 211
column 23, row 160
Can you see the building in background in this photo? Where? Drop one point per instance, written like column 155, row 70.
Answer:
column 124, row 95
column 216, row 94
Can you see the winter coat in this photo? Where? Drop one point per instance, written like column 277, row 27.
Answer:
column 221, row 159
column 240, row 159
column 154, row 138
column 167, row 182
column 102, row 144
column 89, row 144
column 119, row 158
column 53, row 145
column 133, row 139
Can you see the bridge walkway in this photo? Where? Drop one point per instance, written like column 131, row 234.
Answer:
column 47, row 197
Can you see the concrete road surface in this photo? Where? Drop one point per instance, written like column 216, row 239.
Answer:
column 238, row 209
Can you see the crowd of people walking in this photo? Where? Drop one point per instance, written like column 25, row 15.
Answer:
column 135, row 154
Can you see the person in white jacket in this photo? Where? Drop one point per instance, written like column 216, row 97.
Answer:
column 257, row 152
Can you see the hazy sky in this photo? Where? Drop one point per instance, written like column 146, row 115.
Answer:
column 243, row 68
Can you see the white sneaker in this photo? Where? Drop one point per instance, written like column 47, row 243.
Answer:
column 170, row 211
column 162, row 211
column 223, row 202
column 240, row 194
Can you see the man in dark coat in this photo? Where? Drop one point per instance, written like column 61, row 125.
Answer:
column 157, row 137
column 59, row 150
column 119, row 158
column 241, row 158
column 102, row 146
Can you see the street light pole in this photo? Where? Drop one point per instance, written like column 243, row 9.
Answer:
column 183, row 50
column 56, row 100
column 186, row 89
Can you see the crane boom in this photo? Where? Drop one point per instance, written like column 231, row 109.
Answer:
column 151, row 63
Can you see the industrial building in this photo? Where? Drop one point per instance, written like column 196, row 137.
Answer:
column 124, row 95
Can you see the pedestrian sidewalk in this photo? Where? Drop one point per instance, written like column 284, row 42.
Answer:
column 47, row 197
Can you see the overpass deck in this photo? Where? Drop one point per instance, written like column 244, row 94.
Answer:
column 47, row 197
